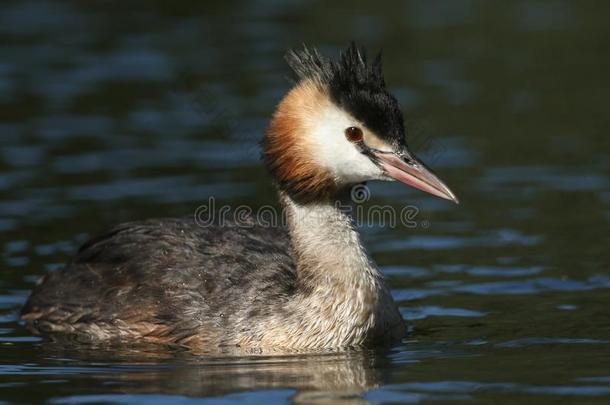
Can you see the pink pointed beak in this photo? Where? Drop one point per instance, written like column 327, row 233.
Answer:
column 414, row 174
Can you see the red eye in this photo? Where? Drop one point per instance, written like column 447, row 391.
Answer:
column 353, row 134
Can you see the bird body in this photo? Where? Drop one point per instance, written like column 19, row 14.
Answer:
column 307, row 286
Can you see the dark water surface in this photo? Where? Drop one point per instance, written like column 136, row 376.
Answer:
column 113, row 112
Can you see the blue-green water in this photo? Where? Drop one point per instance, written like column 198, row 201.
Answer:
column 113, row 111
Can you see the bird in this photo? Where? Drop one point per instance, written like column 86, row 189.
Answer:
column 309, row 285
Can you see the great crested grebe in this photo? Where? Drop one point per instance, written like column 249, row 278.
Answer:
column 310, row 286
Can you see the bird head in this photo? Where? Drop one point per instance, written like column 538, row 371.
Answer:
column 340, row 126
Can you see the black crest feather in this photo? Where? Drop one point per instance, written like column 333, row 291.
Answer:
column 350, row 70
column 353, row 84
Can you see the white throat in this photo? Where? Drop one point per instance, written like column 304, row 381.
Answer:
column 326, row 244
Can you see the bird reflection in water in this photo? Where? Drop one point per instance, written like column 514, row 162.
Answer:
column 317, row 377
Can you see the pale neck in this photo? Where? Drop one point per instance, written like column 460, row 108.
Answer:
column 326, row 245
column 341, row 299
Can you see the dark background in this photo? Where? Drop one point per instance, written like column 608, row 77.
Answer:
column 113, row 111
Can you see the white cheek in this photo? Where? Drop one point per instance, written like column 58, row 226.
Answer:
column 335, row 153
